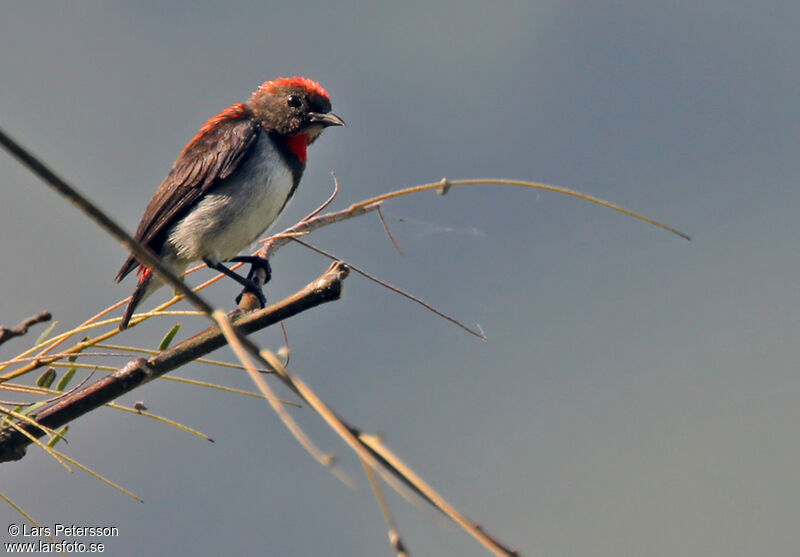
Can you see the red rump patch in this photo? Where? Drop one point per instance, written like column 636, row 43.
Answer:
column 295, row 81
column 297, row 144
column 144, row 273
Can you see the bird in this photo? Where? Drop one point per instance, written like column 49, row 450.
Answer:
column 230, row 183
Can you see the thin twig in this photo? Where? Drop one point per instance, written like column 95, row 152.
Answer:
column 161, row 419
column 394, row 534
column 236, row 344
column 55, row 357
column 29, row 518
column 51, row 451
column 89, row 321
column 345, row 431
column 286, row 344
column 517, row 183
column 273, row 243
column 22, row 328
column 327, row 202
column 389, row 232
column 403, row 293
column 376, row 445
column 133, row 349
column 29, row 420
column 49, row 391
column 83, row 344
column 96, row 475
column 224, row 388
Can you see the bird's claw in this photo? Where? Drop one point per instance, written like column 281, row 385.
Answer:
column 256, row 291
column 256, row 263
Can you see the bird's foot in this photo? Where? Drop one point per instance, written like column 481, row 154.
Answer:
column 255, row 278
column 252, row 284
column 255, row 290
column 256, row 263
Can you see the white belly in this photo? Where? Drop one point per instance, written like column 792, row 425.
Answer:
column 237, row 212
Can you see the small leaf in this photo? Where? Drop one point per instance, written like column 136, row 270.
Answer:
column 7, row 417
column 58, row 437
column 74, row 357
column 46, row 332
column 30, row 410
column 66, row 379
column 169, row 337
column 46, row 379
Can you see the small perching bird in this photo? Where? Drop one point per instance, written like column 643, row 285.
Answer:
column 231, row 182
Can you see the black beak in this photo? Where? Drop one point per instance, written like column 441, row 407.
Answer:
column 325, row 118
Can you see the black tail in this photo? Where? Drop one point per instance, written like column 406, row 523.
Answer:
column 136, row 297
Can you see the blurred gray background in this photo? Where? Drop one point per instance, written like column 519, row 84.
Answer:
column 637, row 394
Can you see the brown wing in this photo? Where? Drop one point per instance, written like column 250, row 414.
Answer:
column 210, row 157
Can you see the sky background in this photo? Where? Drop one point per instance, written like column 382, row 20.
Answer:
column 637, row 394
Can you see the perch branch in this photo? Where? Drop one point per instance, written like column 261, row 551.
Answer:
column 324, row 289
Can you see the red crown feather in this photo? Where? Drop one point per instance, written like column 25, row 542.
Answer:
column 295, row 81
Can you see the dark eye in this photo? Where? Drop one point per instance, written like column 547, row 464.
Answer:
column 293, row 101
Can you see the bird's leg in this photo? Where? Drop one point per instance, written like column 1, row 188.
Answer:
column 249, row 284
column 256, row 263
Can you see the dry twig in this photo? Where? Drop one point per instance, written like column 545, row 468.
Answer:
column 22, row 328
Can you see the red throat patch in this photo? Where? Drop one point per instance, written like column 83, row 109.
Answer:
column 298, row 144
